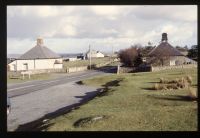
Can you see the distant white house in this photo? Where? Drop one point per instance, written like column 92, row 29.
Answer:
column 37, row 58
column 94, row 54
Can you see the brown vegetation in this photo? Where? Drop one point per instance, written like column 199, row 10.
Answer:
column 181, row 83
column 130, row 56
column 193, row 93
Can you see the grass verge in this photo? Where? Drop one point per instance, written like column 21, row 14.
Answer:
column 133, row 106
column 18, row 79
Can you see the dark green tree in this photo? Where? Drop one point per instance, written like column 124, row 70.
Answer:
column 193, row 52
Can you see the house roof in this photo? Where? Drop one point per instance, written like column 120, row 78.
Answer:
column 9, row 60
column 165, row 49
column 39, row 52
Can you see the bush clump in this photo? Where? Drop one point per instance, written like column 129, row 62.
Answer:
column 162, row 80
column 181, row 83
column 189, row 79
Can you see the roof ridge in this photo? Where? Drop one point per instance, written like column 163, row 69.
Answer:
column 42, row 49
column 39, row 52
column 169, row 50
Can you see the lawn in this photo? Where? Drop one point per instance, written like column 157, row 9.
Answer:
column 128, row 104
column 18, row 79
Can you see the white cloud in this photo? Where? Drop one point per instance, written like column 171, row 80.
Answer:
column 106, row 10
column 111, row 12
column 120, row 26
column 166, row 12
column 69, row 30
column 39, row 11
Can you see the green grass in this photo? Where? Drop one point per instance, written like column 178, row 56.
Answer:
column 43, row 76
column 85, row 62
column 131, row 105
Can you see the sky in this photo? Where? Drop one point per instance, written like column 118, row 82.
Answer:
column 71, row 29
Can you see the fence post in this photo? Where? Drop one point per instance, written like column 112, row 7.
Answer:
column 118, row 67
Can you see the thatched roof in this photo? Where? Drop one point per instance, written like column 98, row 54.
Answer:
column 39, row 52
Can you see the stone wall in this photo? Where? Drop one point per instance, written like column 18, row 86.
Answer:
column 125, row 69
column 153, row 68
column 173, row 67
column 83, row 68
column 76, row 69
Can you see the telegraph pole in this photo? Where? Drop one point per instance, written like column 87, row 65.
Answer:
column 90, row 56
column 112, row 51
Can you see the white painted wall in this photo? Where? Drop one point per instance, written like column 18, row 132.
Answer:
column 99, row 54
column 35, row 64
column 95, row 55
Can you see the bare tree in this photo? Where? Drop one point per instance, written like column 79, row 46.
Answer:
column 130, row 56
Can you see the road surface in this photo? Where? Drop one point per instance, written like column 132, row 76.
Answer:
column 36, row 99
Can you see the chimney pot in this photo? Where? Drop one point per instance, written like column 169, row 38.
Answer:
column 164, row 37
column 39, row 41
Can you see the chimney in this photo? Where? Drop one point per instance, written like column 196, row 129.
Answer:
column 39, row 41
column 164, row 37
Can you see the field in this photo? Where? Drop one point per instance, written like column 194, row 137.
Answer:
column 128, row 103
column 86, row 62
column 18, row 78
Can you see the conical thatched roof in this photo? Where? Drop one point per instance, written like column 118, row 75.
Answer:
column 165, row 49
column 39, row 52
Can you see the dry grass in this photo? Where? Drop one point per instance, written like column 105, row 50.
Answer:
column 183, row 84
column 193, row 93
column 158, row 86
column 178, row 83
column 189, row 79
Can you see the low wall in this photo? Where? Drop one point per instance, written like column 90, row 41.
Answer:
column 152, row 68
column 125, row 69
column 83, row 68
column 76, row 69
column 173, row 67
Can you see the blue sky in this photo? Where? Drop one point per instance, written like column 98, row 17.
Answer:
column 70, row 29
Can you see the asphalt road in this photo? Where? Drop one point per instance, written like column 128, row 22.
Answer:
column 36, row 99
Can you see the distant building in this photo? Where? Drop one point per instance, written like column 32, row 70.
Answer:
column 39, row 57
column 94, row 54
column 167, row 55
column 73, row 57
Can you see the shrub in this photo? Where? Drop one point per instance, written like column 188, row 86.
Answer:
column 172, row 86
column 189, row 79
column 130, row 56
column 174, row 81
column 158, row 86
column 183, row 84
column 162, row 80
